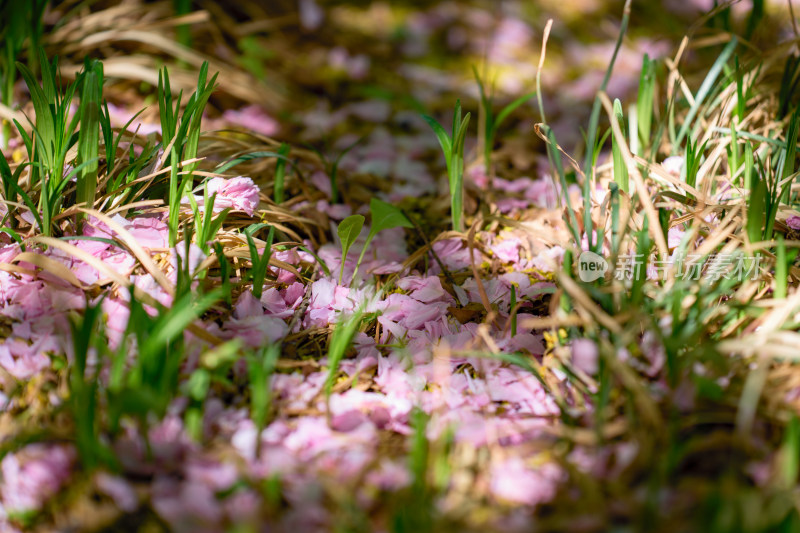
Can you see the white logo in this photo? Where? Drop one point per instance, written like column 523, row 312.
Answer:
column 591, row 266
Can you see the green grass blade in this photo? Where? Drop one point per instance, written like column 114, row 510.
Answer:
column 645, row 100
column 441, row 135
column 341, row 339
column 620, row 168
column 705, row 89
column 280, row 172
column 89, row 135
column 510, row 108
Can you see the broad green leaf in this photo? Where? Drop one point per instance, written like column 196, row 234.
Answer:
column 385, row 216
column 349, row 229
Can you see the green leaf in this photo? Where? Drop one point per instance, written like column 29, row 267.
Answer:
column 318, row 259
column 444, row 140
column 749, row 166
column 249, row 157
column 41, row 104
column 183, row 131
column 790, row 155
column 349, row 229
column 14, row 235
column 222, row 356
column 180, row 316
column 89, row 134
column 461, row 134
column 510, row 108
column 705, row 88
column 453, row 149
column 488, row 122
column 644, row 101
column 341, row 339
column 260, row 368
column 456, row 119
column 456, row 171
column 197, row 386
column 261, row 263
column 280, row 172
column 757, row 211
column 110, row 242
column 385, row 216
column 789, row 456
column 591, row 137
column 620, row 168
column 781, row 270
column 524, row 363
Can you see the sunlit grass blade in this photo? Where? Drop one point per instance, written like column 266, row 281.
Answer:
column 756, row 208
column 182, row 313
column 620, row 168
column 260, row 262
column 53, row 133
column 182, row 131
column 789, row 161
column 453, row 150
column 457, row 175
column 705, row 89
column 645, row 100
column 491, row 123
column 781, row 269
column 591, row 134
column 89, row 133
column 206, row 224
